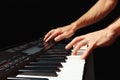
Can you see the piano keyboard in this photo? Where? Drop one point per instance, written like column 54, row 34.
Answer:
column 72, row 66
column 54, row 64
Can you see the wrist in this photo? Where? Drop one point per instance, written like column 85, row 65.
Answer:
column 74, row 26
column 112, row 32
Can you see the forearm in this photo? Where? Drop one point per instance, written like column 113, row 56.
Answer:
column 114, row 28
column 95, row 13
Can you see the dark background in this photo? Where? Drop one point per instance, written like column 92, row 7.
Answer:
column 30, row 19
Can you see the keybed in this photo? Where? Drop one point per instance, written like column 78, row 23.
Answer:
column 46, row 61
column 69, row 65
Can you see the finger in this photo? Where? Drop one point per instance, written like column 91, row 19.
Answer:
column 47, row 35
column 61, row 36
column 53, row 35
column 74, row 41
column 77, row 47
column 87, row 52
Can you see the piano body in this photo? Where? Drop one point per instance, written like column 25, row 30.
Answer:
column 37, row 60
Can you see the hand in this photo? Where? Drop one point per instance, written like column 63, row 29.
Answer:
column 95, row 39
column 59, row 33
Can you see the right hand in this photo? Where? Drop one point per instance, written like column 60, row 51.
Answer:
column 59, row 33
column 101, row 38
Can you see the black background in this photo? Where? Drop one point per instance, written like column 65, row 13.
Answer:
column 30, row 19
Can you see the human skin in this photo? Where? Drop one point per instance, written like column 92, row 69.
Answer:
column 94, row 14
column 101, row 38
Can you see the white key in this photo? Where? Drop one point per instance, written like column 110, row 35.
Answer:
column 81, row 50
column 72, row 70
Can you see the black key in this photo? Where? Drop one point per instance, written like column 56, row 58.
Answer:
column 46, row 64
column 51, row 59
column 60, row 50
column 20, row 78
column 58, row 54
column 40, row 71
column 43, row 71
column 35, row 68
column 49, row 62
column 53, row 56
column 37, row 73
